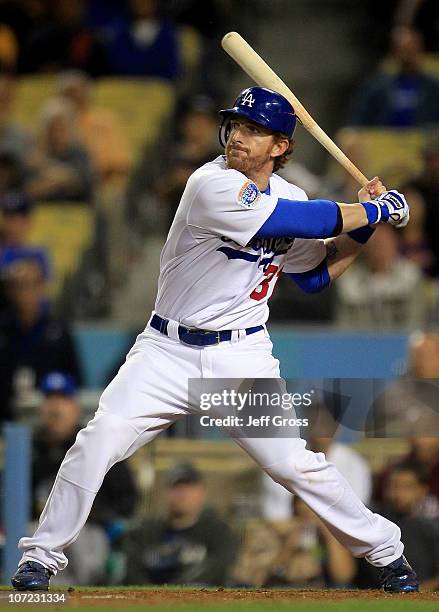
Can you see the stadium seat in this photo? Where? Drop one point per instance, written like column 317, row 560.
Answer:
column 142, row 106
column 430, row 64
column 393, row 155
column 191, row 51
column 32, row 92
column 66, row 230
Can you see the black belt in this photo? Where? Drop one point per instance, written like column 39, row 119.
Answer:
column 198, row 337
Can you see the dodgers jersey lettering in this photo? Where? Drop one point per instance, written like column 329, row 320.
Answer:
column 213, row 274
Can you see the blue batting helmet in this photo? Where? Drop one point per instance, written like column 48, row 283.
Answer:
column 263, row 106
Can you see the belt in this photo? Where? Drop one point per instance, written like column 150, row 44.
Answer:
column 198, row 337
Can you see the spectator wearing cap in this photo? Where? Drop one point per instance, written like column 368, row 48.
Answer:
column 33, row 341
column 59, row 423
column 15, row 228
column 187, row 543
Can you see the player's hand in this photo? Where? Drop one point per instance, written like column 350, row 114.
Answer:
column 371, row 190
column 394, row 208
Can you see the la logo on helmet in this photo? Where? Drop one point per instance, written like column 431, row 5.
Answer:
column 248, row 99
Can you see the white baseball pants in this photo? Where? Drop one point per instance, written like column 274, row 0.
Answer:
column 147, row 395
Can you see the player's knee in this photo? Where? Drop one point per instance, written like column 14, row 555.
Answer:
column 284, row 474
column 306, row 466
column 98, row 446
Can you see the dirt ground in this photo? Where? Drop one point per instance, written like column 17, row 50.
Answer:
column 194, row 597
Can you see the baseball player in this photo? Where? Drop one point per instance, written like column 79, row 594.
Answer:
column 238, row 226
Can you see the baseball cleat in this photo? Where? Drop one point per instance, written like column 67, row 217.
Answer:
column 399, row 577
column 31, row 576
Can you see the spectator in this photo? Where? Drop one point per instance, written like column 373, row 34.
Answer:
column 145, row 45
column 15, row 228
column 8, row 48
column 423, row 195
column 15, row 141
column 423, row 457
column 59, row 422
column 32, row 341
column 299, row 553
column 62, row 169
column 101, row 130
column 415, row 243
column 261, row 546
column 12, row 173
column 424, row 454
column 62, row 41
column 404, row 494
column 195, row 143
column 188, row 544
column 423, row 14
column 383, row 290
column 408, row 406
column 405, row 99
column 311, row 555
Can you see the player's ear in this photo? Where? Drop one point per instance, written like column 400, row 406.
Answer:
column 280, row 146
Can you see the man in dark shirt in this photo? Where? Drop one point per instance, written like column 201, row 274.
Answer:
column 406, row 99
column 60, row 421
column 32, row 341
column 189, row 544
column 406, row 489
column 424, row 190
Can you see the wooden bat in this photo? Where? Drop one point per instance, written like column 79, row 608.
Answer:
column 263, row 75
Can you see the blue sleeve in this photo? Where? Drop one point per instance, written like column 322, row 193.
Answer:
column 314, row 280
column 308, row 219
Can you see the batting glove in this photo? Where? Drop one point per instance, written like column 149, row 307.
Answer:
column 392, row 208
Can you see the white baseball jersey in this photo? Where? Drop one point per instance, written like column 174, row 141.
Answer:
column 213, row 274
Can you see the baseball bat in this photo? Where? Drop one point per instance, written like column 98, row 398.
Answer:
column 263, row 75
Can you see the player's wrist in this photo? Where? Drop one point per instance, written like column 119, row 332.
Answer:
column 362, row 234
column 375, row 212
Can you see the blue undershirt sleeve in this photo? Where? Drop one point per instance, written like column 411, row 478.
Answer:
column 303, row 219
column 314, row 280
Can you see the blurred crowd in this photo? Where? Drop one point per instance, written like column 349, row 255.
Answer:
column 157, row 524
column 87, row 196
column 188, row 540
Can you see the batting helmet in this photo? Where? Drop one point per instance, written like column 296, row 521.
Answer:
column 263, row 106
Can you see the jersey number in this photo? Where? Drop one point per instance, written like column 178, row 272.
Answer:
column 261, row 290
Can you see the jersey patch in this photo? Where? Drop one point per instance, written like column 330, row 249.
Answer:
column 248, row 195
